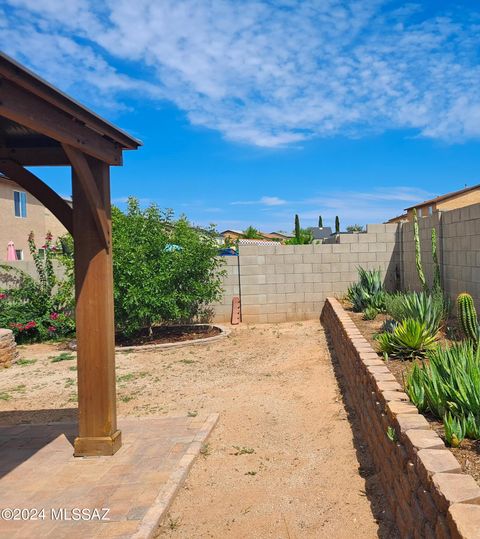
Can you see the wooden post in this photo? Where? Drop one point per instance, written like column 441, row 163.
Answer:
column 98, row 433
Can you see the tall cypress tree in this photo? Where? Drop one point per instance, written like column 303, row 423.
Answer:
column 297, row 228
column 320, row 222
column 337, row 225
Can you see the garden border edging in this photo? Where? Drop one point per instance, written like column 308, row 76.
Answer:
column 224, row 332
column 422, row 480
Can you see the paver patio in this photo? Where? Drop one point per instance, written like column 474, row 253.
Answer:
column 37, row 470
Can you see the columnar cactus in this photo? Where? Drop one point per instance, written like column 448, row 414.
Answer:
column 468, row 316
column 418, row 252
column 437, row 285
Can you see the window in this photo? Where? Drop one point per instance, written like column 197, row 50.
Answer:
column 430, row 210
column 19, row 253
column 20, row 203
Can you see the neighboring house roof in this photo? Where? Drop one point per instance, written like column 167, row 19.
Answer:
column 278, row 235
column 321, row 233
column 441, row 198
column 402, row 217
column 229, row 230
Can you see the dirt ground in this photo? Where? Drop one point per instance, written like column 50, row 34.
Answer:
column 282, row 462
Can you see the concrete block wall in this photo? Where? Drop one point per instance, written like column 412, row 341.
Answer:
column 281, row 283
column 458, row 234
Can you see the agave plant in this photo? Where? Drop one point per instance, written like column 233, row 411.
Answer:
column 368, row 292
column 409, row 339
column 430, row 309
column 370, row 313
column 449, row 384
column 455, row 429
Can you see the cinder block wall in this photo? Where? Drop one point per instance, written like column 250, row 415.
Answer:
column 458, row 234
column 290, row 282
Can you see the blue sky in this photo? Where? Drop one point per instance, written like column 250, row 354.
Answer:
column 253, row 111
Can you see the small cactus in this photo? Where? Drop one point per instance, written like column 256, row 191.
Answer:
column 468, row 316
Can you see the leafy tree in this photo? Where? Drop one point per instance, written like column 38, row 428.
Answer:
column 251, row 233
column 320, row 222
column 302, row 236
column 337, row 225
column 355, row 228
column 164, row 270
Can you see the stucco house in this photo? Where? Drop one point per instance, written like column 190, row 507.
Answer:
column 450, row 201
column 20, row 214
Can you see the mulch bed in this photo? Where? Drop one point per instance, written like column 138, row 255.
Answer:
column 468, row 454
column 169, row 334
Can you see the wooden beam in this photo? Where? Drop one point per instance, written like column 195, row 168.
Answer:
column 98, row 433
column 31, row 111
column 40, row 190
column 19, row 75
column 85, row 177
column 31, row 157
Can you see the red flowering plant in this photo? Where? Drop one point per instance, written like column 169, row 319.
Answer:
column 40, row 307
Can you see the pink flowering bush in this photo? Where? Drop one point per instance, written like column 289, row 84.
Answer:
column 42, row 308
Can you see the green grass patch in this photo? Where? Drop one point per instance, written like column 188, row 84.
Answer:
column 64, row 356
column 25, row 362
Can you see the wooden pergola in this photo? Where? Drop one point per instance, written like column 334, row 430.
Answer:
column 41, row 126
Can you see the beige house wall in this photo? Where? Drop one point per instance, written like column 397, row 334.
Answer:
column 14, row 228
column 17, row 229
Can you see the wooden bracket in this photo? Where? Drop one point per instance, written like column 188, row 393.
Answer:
column 95, row 200
column 40, row 190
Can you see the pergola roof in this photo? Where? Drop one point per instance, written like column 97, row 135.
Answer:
column 39, row 106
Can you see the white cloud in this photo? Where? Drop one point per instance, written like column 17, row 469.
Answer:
column 264, row 73
column 263, row 201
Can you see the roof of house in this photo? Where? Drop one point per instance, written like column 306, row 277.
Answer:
column 444, row 197
column 397, row 217
column 321, row 233
column 231, row 230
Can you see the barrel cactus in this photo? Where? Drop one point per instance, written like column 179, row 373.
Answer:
column 468, row 316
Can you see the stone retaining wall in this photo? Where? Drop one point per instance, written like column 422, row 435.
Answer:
column 427, row 492
column 8, row 348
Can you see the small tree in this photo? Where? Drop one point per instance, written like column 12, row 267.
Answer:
column 320, row 222
column 337, row 225
column 164, row 270
column 297, row 228
column 251, row 233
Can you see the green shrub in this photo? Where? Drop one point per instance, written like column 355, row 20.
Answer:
column 425, row 308
column 368, row 291
column 164, row 270
column 409, row 339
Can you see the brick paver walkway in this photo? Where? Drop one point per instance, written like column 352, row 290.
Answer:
column 37, row 470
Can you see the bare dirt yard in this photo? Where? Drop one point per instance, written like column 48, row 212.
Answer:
column 282, row 462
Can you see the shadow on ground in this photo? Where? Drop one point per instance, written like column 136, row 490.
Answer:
column 25, row 432
column 373, row 487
